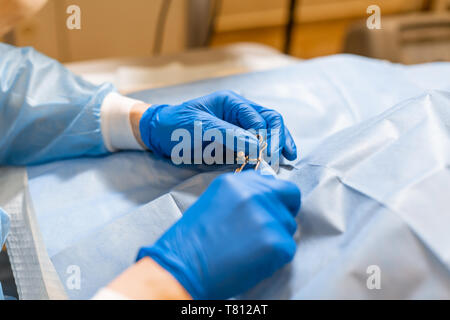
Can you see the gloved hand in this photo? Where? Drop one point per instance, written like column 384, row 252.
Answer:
column 239, row 232
column 221, row 110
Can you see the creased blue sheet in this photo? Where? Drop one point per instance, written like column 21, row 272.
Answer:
column 4, row 226
column 374, row 150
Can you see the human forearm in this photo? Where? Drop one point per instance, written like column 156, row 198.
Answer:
column 135, row 117
column 51, row 114
column 146, row 280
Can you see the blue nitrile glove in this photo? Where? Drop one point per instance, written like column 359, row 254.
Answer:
column 239, row 232
column 221, row 110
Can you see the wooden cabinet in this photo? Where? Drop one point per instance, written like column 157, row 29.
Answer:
column 320, row 24
column 238, row 14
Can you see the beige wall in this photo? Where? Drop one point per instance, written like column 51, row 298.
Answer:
column 109, row 28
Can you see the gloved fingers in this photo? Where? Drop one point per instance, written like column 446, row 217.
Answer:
column 288, row 193
column 244, row 116
column 276, row 139
column 288, row 249
column 231, row 107
column 285, row 191
column 248, row 115
column 290, row 149
column 285, row 217
column 282, row 248
column 275, row 124
column 243, row 140
column 241, row 111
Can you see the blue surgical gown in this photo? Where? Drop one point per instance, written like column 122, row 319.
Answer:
column 46, row 112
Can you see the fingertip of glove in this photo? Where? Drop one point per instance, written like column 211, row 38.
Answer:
column 290, row 155
column 299, row 203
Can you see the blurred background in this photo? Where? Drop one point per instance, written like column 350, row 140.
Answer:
column 117, row 28
column 139, row 44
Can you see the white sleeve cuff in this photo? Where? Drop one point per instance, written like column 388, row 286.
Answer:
column 115, row 123
column 108, row 294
